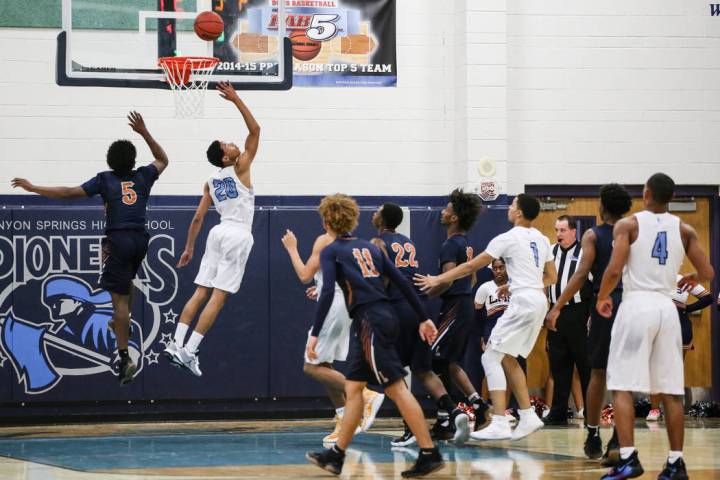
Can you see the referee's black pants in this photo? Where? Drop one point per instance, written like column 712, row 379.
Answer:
column 567, row 347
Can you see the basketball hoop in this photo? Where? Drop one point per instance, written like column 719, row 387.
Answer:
column 188, row 78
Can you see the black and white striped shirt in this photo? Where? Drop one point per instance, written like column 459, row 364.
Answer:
column 566, row 261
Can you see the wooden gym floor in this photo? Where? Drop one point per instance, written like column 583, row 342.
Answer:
column 275, row 449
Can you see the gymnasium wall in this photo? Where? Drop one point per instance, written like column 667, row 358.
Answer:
column 554, row 92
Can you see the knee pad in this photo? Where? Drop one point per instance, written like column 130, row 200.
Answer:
column 492, row 363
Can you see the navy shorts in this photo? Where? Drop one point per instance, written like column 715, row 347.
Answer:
column 453, row 324
column 373, row 357
column 599, row 333
column 687, row 330
column 413, row 351
column 123, row 253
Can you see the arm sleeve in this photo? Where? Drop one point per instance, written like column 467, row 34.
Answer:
column 702, row 302
column 92, row 186
column 325, row 299
column 402, row 283
column 448, row 253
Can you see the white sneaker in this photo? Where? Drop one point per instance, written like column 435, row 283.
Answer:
column 497, row 430
column 510, row 417
column 171, row 353
column 462, row 428
column 527, row 425
column 546, row 412
column 654, row 415
column 371, row 403
column 190, row 361
column 580, row 414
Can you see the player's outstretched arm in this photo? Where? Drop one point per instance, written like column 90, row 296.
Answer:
column 305, row 271
column 253, row 139
column 55, row 193
column 137, row 123
column 195, row 225
column 622, row 233
column 697, row 257
column 426, row 282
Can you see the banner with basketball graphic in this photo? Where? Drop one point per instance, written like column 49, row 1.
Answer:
column 335, row 43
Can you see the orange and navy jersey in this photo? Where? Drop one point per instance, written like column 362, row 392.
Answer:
column 456, row 250
column 125, row 196
column 359, row 267
column 402, row 253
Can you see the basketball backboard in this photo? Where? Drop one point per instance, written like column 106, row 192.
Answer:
column 111, row 43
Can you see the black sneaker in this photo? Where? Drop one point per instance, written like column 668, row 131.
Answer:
column 593, row 444
column 629, row 468
column 674, row 471
column 612, row 452
column 407, row 438
column 461, row 421
column 427, row 462
column 442, row 430
column 553, row 419
column 127, row 371
column 329, row 459
column 481, row 414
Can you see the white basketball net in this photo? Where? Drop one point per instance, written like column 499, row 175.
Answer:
column 188, row 78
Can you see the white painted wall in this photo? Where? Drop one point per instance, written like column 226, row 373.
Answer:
column 557, row 91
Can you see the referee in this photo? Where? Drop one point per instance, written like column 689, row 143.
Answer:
column 567, row 346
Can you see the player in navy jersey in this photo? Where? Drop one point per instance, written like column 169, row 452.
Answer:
column 597, row 248
column 125, row 191
column 359, row 267
column 457, row 312
column 452, row 422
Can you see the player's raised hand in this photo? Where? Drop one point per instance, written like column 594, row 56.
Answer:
column 427, row 331
column 136, row 122
column 185, row 258
column 310, row 348
column 425, row 282
column 227, row 91
column 312, row 293
column 604, row 307
column 22, row 183
column 551, row 319
column 289, row 240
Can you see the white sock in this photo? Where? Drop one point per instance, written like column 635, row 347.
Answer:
column 673, row 456
column 526, row 413
column 340, row 411
column 180, row 332
column 194, row 342
column 500, row 419
column 625, row 452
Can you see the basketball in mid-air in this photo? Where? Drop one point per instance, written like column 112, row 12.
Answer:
column 209, row 26
column 304, row 48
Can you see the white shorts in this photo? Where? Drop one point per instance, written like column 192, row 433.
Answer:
column 646, row 346
column 334, row 338
column 226, row 253
column 517, row 329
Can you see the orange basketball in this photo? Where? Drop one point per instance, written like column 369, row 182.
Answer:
column 209, row 26
column 304, row 48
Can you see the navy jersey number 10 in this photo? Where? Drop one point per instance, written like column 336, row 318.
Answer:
column 659, row 249
column 225, row 188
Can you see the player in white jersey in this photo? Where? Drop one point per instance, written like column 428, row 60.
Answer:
column 531, row 268
column 334, row 339
column 646, row 343
column 229, row 243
